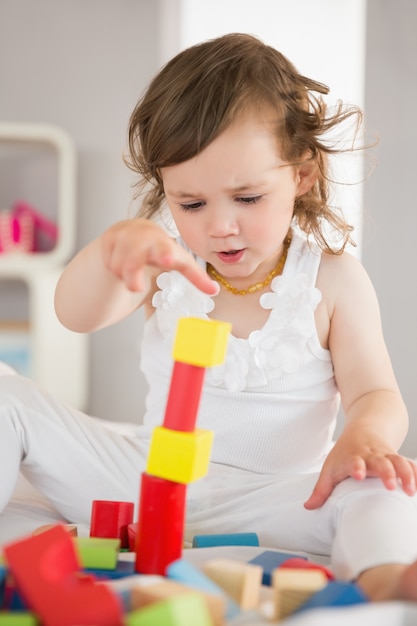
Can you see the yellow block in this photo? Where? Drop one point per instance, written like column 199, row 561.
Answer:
column 181, row 457
column 201, row 342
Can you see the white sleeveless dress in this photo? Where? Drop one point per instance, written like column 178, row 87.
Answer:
column 273, row 404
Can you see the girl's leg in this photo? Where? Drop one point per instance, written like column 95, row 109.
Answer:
column 230, row 500
column 373, row 527
column 376, row 539
column 361, row 526
column 69, row 457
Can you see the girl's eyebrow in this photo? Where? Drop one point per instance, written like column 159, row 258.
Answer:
column 238, row 189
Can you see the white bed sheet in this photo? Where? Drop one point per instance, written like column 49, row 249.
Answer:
column 28, row 510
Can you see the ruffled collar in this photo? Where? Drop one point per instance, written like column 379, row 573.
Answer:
column 268, row 353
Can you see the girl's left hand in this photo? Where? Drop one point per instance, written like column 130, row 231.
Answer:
column 352, row 461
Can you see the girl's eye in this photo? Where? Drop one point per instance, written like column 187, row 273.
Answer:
column 249, row 199
column 192, row 206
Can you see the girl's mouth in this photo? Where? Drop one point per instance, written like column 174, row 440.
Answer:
column 231, row 256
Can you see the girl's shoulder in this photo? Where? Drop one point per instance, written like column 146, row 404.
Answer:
column 343, row 280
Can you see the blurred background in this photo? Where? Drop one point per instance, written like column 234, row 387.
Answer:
column 81, row 65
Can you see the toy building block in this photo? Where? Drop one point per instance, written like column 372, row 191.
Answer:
column 229, row 539
column 110, row 519
column 185, row 573
column 18, row 618
column 335, row 593
column 70, row 528
column 97, row 552
column 160, row 525
column 46, row 570
column 124, row 587
column 201, row 342
column 132, row 533
column 180, row 457
column 10, row 597
column 184, row 396
column 241, row 581
column 144, row 594
column 269, row 560
column 123, row 569
column 292, row 588
column 188, row 609
column 300, row 563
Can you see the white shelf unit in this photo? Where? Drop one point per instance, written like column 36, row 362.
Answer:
column 38, row 165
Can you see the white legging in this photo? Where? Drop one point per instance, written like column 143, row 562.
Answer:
column 74, row 459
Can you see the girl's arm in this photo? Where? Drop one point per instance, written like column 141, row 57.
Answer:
column 115, row 274
column 376, row 417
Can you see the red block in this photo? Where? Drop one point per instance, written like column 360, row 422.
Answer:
column 132, row 533
column 184, row 396
column 110, row 519
column 161, row 524
column 46, row 571
column 295, row 563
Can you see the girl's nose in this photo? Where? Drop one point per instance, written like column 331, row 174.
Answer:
column 222, row 223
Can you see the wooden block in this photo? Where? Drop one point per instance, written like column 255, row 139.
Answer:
column 97, row 552
column 269, row 561
column 161, row 524
column 201, row 342
column 110, row 519
column 335, row 593
column 46, row 571
column 184, row 397
column 225, row 539
column 144, row 594
column 18, row 618
column 70, row 528
column 181, row 457
column 293, row 587
column 241, row 581
column 188, row 574
column 188, row 609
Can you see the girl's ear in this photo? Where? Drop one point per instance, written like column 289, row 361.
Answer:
column 306, row 176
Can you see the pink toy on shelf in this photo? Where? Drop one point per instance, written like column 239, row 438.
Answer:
column 24, row 229
column 17, row 233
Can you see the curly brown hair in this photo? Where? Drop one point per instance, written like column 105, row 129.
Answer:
column 201, row 90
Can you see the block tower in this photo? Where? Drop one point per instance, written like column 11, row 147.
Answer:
column 179, row 452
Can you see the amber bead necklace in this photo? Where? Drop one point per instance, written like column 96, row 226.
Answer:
column 257, row 286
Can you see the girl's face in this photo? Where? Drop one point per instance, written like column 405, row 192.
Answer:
column 233, row 203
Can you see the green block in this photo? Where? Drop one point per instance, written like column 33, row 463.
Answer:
column 97, row 552
column 186, row 609
column 18, row 618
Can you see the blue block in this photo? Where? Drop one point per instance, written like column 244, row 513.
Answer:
column 270, row 560
column 336, row 593
column 184, row 572
column 233, row 539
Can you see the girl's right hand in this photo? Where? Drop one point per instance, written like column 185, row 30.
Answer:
column 130, row 247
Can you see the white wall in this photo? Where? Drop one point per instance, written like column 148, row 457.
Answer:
column 390, row 215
